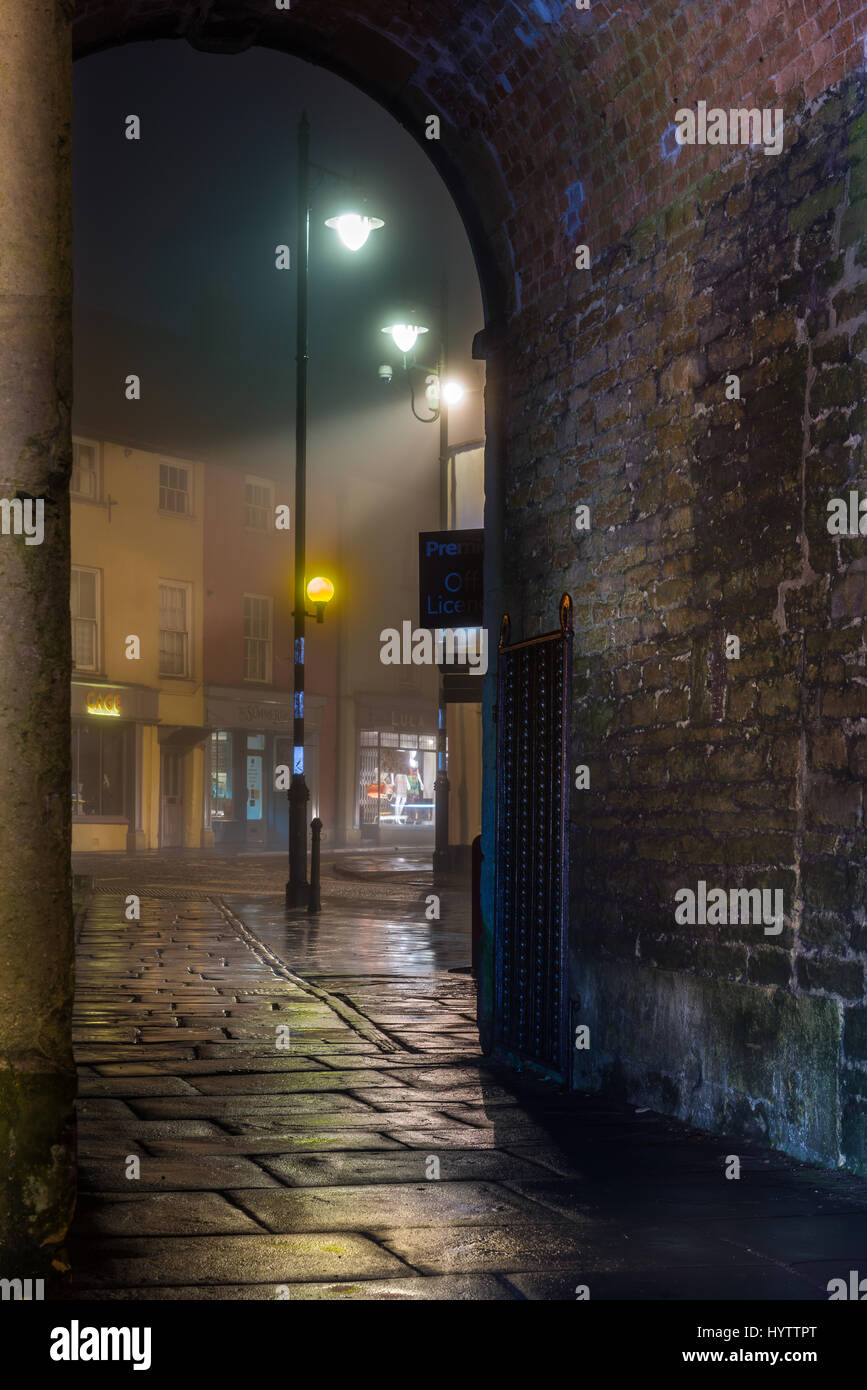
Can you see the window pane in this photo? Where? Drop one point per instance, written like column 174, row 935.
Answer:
column 83, row 645
column 84, row 474
column 112, row 772
column 85, row 632
column 83, row 594
column 257, row 638
column 86, row 790
column 257, row 505
column 174, row 489
column 221, row 776
column 174, row 637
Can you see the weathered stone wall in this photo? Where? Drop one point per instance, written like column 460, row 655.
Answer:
column 709, row 518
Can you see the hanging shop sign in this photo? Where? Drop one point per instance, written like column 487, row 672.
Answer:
column 450, row 578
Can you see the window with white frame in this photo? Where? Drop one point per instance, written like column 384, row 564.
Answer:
column 84, row 608
column 257, row 637
column 175, row 490
column 175, row 605
column 258, row 504
column 85, row 480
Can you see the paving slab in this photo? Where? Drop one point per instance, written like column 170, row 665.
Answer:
column 301, row 1141
column 242, row 1107
column 447, row 1288
column 264, row 1259
column 210, row 1067
column 128, row 1086
column 686, row 1284
column 161, row 1214
column 175, row 1173
column 378, row 1206
column 395, row 1166
column 251, row 1083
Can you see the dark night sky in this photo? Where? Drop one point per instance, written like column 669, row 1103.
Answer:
column 174, row 255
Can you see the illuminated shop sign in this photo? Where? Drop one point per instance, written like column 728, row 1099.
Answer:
column 102, row 704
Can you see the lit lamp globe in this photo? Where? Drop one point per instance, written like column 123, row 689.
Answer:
column 453, row 392
column 320, row 592
column 405, row 335
column 354, row 228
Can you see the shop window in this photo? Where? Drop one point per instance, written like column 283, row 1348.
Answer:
column 221, row 776
column 84, row 608
column 175, row 490
column 396, row 779
column 257, row 637
column 174, row 629
column 98, row 771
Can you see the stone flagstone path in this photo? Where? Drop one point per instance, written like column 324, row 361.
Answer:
column 379, row 1157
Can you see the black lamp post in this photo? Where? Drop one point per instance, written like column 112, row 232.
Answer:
column 297, row 889
column 353, row 230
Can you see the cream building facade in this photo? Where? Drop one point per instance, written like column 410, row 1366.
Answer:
column 138, row 726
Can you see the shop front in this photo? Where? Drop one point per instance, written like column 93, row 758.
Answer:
column 251, row 739
column 111, row 724
column 396, row 761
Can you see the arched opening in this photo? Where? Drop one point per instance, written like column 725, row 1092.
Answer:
column 189, row 273
column 183, row 449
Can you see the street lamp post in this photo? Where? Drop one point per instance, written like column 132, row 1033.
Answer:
column 297, row 889
column 405, row 336
column 353, row 229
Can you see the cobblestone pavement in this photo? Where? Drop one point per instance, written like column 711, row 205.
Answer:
column 378, row 1157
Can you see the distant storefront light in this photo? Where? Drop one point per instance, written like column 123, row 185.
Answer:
column 102, row 704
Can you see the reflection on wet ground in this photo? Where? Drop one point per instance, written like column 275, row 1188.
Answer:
column 311, row 1117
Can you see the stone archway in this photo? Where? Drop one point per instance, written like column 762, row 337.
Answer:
column 604, row 386
column 403, row 62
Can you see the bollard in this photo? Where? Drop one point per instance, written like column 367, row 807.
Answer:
column 315, row 901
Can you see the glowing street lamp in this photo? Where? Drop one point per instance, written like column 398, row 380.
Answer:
column 354, row 228
column 405, row 335
column 320, row 592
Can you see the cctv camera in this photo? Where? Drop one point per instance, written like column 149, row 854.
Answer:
column 385, row 373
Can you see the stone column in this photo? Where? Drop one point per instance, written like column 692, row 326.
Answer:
column 37, row 1081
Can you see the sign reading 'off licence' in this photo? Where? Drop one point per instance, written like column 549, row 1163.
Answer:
column 450, row 578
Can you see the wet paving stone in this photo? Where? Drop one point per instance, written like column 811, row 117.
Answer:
column 379, row 1206
column 301, row 1141
column 175, row 1173
column 304, row 1081
column 233, row 1260
column 403, row 1166
column 133, row 1086
column 736, row 1282
column 164, row 1213
column 344, row 1168
column 439, row 1288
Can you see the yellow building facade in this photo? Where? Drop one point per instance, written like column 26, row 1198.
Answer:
column 136, row 600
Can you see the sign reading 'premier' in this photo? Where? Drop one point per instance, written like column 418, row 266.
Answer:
column 450, row 578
